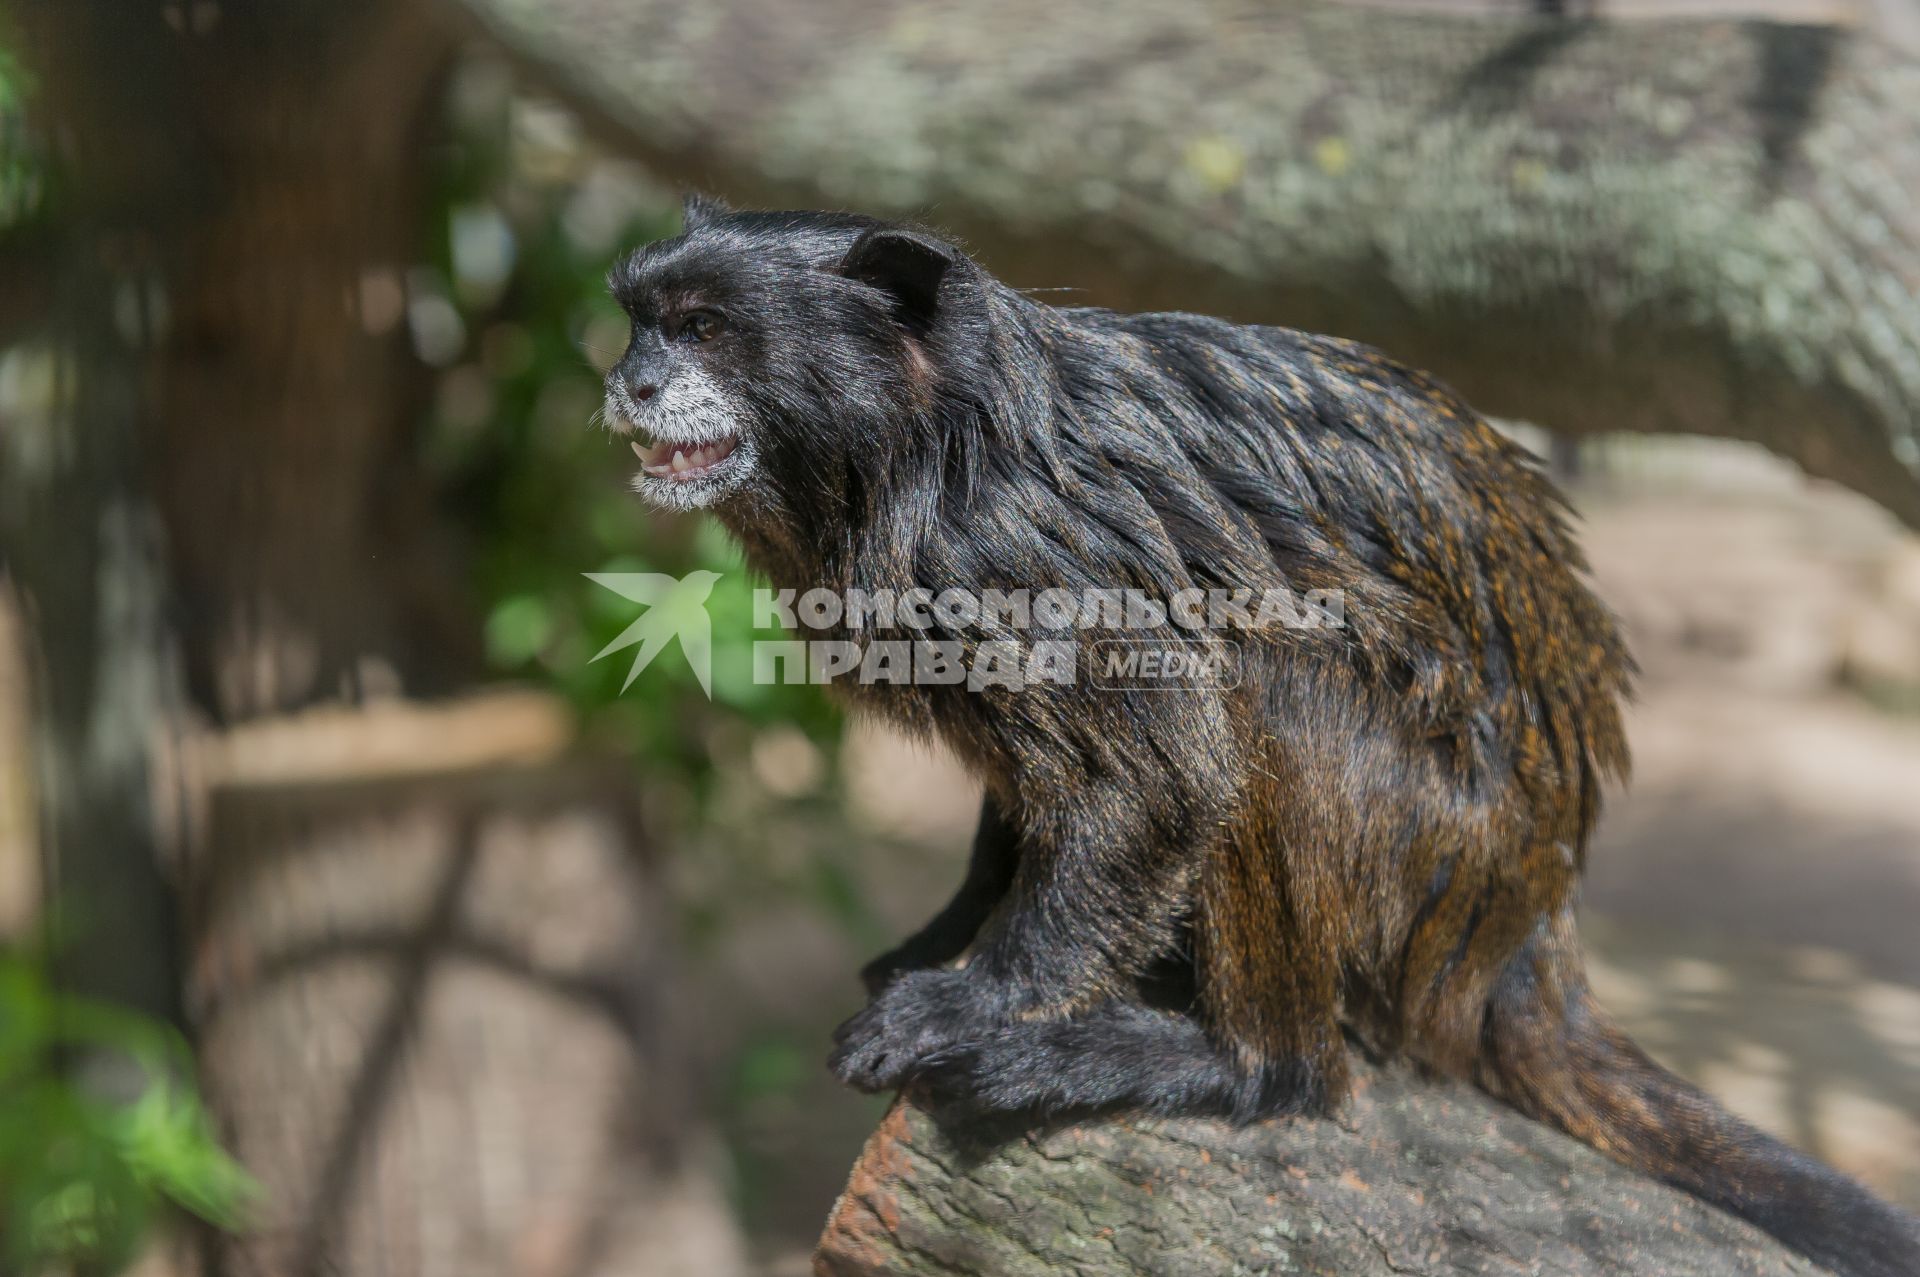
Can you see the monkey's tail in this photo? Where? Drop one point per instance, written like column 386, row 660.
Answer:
column 1550, row 1051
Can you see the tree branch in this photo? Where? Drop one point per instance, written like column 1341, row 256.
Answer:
column 1702, row 227
column 1416, row 1178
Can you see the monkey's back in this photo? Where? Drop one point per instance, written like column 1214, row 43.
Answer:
column 1421, row 782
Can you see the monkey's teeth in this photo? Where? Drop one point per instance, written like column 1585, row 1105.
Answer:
column 664, row 461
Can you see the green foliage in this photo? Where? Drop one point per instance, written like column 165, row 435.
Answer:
column 83, row 1177
column 21, row 186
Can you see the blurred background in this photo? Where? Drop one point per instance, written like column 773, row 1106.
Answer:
column 353, row 920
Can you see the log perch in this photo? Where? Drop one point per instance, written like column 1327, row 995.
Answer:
column 1415, row 1177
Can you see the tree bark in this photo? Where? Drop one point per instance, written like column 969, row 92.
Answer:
column 1693, row 226
column 303, row 537
column 28, row 294
column 220, row 484
column 244, row 189
column 1417, row 1177
column 78, row 530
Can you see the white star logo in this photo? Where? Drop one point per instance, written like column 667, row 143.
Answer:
column 675, row 606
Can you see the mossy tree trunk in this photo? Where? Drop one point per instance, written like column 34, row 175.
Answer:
column 1694, row 226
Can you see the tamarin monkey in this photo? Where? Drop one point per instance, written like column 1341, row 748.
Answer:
column 1375, row 833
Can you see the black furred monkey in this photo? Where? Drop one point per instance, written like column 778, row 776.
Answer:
column 1377, row 831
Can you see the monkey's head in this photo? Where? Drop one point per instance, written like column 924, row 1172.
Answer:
column 784, row 365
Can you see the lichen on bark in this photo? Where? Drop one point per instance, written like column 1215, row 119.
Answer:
column 1678, row 226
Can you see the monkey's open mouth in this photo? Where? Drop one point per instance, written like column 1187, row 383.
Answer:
column 683, row 463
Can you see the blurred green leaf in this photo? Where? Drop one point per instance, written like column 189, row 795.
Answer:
column 772, row 1066
column 517, row 629
column 23, row 182
column 83, row 1177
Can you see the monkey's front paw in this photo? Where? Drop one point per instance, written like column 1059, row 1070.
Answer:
column 917, row 1018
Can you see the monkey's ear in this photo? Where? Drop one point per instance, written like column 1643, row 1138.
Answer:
column 907, row 266
column 697, row 209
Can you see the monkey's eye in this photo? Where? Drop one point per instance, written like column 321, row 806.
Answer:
column 698, row 325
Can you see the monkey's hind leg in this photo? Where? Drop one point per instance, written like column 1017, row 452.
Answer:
column 990, row 872
column 1268, row 1041
column 1268, row 973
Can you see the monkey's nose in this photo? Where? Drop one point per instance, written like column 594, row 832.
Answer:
column 644, row 392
